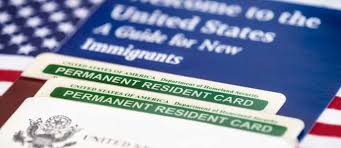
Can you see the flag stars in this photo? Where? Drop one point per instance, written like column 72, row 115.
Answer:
column 81, row 13
column 18, row 39
column 26, row 12
column 33, row 22
column 50, row 43
column 26, row 49
column 4, row 17
column 96, row 1
column 57, row 17
column 72, row 3
column 49, row 7
column 65, row 27
column 39, row 25
column 40, row 1
column 42, row 32
column 17, row 2
column 10, row 29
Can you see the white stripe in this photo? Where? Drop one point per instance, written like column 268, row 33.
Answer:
column 305, row 2
column 332, row 4
column 14, row 62
column 339, row 93
column 4, row 86
column 330, row 116
column 313, row 141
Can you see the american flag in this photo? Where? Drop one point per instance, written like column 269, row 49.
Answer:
column 30, row 27
column 326, row 132
column 11, row 68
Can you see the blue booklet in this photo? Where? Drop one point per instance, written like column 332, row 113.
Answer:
column 275, row 46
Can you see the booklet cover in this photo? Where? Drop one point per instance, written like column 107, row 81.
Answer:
column 275, row 46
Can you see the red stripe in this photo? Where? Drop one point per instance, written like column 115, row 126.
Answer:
column 323, row 129
column 9, row 75
column 336, row 103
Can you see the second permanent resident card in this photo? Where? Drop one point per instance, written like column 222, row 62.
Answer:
column 172, row 106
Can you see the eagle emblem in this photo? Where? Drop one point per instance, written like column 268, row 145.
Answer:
column 53, row 133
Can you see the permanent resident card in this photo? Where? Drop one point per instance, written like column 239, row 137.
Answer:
column 196, row 110
column 53, row 65
column 42, row 122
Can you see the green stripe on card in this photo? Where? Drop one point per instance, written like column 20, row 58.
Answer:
column 156, row 86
